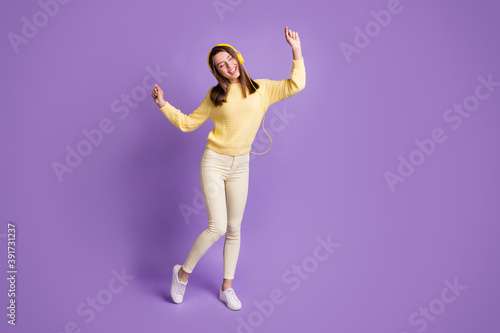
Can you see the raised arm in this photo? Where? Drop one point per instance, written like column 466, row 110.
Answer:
column 279, row 90
column 185, row 123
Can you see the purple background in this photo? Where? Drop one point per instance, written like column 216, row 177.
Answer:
column 120, row 208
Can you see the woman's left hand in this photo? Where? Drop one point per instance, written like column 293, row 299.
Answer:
column 292, row 37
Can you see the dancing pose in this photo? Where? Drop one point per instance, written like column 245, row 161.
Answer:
column 236, row 105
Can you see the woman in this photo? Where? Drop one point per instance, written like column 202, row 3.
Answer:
column 224, row 171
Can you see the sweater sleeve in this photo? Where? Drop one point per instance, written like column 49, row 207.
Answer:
column 188, row 123
column 279, row 90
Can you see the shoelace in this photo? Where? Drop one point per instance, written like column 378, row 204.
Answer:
column 231, row 295
column 180, row 288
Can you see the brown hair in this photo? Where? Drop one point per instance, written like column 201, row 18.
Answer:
column 219, row 92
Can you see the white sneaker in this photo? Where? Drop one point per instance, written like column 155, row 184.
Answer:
column 178, row 288
column 229, row 297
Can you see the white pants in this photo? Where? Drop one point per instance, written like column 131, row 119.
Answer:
column 224, row 184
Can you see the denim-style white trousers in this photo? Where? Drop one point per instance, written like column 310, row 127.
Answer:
column 224, row 184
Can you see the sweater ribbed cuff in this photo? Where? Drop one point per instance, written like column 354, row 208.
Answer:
column 298, row 63
column 164, row 106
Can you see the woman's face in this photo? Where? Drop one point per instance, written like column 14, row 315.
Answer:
column 227, row 66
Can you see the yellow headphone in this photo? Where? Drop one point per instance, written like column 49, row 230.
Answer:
column 241, row 60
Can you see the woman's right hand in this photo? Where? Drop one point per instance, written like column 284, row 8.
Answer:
column 158, row 96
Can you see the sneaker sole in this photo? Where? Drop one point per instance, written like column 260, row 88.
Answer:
column 220, row 297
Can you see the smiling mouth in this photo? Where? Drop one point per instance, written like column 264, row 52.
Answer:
column 231, row 72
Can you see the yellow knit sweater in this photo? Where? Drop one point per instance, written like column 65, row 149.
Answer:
column 238, row 120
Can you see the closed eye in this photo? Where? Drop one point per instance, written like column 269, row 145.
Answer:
column 229, row 57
